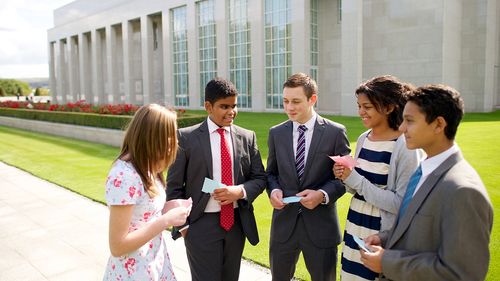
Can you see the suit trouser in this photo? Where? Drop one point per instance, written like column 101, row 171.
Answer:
column 213, row 253
column 320, row 262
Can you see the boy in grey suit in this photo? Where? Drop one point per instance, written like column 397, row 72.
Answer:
column 445, row 220
column 224, row 152
column 298, row 165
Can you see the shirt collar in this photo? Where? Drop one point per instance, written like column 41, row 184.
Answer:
column 309, row 124
column 431, row 164
column 212, row 127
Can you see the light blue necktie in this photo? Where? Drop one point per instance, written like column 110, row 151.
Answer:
column 412, row 184
column 301, row 151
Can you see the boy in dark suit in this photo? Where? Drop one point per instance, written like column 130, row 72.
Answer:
column 218, row 224
column 298, row 165
column 446, row 214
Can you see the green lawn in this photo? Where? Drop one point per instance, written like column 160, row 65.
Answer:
column 82, row 167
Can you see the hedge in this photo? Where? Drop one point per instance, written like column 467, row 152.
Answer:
column 88, row 119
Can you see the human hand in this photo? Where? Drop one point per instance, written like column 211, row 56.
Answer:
column 176, row 216
column 373, row 240
column 228, row 194
column 276, row 199
column 373, row 260
column 310, row 198
column 340, row 171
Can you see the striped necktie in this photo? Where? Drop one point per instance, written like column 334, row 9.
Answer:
column 412, row 185
column 301, row 151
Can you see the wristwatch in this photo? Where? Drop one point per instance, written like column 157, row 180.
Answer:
column 324, row 198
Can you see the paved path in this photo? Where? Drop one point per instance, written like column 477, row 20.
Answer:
column 50, row 233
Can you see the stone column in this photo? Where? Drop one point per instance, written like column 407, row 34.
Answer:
column 97, row 84
column 193, row 65
column 352, row 54
column 492, row 60
column 83, row 57
column 256, row 20
column 146, row 43
column 52, row 73
column 221, row 25
column 127, row 41
column 112, row 90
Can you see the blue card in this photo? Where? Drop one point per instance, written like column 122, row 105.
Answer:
column 291, row 199
column 361, row 243
column 210, row 185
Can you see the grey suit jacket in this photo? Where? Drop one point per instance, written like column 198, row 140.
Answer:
column 329, row 138
column 445, row 232
column 194, row 163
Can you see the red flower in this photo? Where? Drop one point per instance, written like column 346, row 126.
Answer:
column 131, row 191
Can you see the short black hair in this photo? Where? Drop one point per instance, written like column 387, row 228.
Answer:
column 440, row 100
column 219, row 88
column 386, row 90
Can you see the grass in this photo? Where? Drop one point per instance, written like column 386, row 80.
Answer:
column 82, row 167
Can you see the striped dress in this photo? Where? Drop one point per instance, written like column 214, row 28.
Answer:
column 363, row 219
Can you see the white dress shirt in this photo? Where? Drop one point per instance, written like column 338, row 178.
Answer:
column 431, row 164
column 213, row 205
column 308, row 135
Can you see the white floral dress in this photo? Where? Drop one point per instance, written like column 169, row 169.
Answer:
column 151, row 261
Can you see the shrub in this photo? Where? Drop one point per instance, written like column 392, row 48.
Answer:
column 86, row 119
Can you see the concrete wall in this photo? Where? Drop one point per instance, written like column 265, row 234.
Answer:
column 92, row 134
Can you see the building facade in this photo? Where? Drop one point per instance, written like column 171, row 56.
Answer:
column 165, row 51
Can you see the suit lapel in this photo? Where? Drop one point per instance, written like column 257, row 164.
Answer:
column 286, row 140
column 237, row 147
column 204, row 140
column 319, row 128
column 419, row 198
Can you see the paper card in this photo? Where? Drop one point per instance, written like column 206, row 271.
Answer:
column 291, row 199
column 361, row 244
column 345, row 160
column 210, row 185
column 169, row 205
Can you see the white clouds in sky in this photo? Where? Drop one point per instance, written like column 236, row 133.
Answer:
column 23, row 36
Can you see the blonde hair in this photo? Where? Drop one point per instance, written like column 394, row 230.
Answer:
column 150, row 143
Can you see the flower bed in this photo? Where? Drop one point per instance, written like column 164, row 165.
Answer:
column 79, row 106
column 83, row 114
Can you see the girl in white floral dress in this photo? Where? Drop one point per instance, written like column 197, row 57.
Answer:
column 135, row 194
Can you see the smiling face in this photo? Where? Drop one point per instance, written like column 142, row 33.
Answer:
column 418, row 133
column 369, row 114
column 223, row 111
column 296, row 105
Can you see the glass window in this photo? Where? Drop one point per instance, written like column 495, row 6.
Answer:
column 178, row 26
column 278, row 50
column 239, row 46
column 206, row 44
column 314, row 43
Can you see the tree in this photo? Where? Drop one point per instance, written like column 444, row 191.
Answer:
column 11, row 87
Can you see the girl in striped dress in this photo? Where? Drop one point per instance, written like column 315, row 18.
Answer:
column 385, row 165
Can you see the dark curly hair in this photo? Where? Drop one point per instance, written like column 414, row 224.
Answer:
column 219, row 88
column 440, row 100
column 384, row 91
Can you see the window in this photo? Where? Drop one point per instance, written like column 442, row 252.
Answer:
column 239, row 51
column 207, row 48
column 179, row 56
column 277, row 49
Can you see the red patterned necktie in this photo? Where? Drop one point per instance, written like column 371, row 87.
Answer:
column 226, row 211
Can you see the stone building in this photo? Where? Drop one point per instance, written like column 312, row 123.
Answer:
column 164, row 51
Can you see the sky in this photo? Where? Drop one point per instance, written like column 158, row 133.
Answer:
column 23, row 37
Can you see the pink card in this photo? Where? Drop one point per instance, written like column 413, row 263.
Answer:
column 345, row 160
column 169, row 205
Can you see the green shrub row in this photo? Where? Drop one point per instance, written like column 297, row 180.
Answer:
column 88, row 119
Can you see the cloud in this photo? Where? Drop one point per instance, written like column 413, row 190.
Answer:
column 23, row 29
